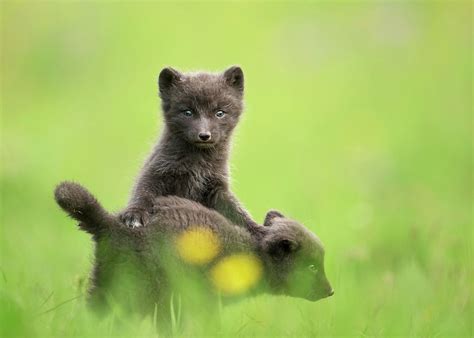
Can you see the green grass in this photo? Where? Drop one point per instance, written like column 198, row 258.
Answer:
column 358, row 123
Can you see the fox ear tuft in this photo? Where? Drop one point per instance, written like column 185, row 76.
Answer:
column 281, row 248
column 234, row 77
column 270, row 216
column 168, row 77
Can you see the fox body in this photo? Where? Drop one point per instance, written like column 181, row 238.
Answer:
column 190, row 160
column 194, row 251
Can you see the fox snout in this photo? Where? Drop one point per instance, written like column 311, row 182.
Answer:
column 322, row 289
column 203, row 132
column 205, row 136
column 326, row 290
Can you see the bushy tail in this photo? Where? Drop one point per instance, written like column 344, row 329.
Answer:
column 81, row 205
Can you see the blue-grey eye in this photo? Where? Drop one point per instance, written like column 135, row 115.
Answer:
column 187, row 113
column 220, row 114
column 313, row 268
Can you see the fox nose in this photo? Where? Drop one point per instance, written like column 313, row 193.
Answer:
column 205, row 136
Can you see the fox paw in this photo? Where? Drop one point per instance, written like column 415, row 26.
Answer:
column 134, row 218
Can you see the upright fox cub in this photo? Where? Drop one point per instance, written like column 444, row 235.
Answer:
column 191, row 158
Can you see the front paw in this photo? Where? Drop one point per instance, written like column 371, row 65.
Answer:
column 134, row 217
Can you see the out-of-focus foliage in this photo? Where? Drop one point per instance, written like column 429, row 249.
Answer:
column 198, row 245
column 358, row 123
column 237, row 273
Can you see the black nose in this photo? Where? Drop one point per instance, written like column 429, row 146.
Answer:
column 205, row 136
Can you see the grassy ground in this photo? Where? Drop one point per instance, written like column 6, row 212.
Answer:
column 358, row 123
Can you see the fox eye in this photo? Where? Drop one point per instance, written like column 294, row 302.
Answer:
column 187, row 113
column 220, row 114
column 313, row 268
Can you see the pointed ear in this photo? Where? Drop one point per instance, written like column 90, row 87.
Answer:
column 270, row 216
column 281, row 248
column 168, row 77
column 234, row 77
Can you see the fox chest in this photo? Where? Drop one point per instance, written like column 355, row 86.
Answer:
column 193, row 185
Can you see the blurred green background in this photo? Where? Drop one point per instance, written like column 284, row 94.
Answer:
column 358, row 123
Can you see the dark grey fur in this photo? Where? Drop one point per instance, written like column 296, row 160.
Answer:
column 184, row 165
column 138, row 268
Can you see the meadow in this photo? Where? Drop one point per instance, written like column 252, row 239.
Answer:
column 358, row 123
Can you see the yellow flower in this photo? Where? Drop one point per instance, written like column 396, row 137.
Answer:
column 198, row 245
column 236, row 273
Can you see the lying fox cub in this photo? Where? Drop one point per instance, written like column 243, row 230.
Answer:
column 193, row 251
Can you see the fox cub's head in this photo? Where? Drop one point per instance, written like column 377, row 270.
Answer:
column 294, row 259
column 202, row 108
